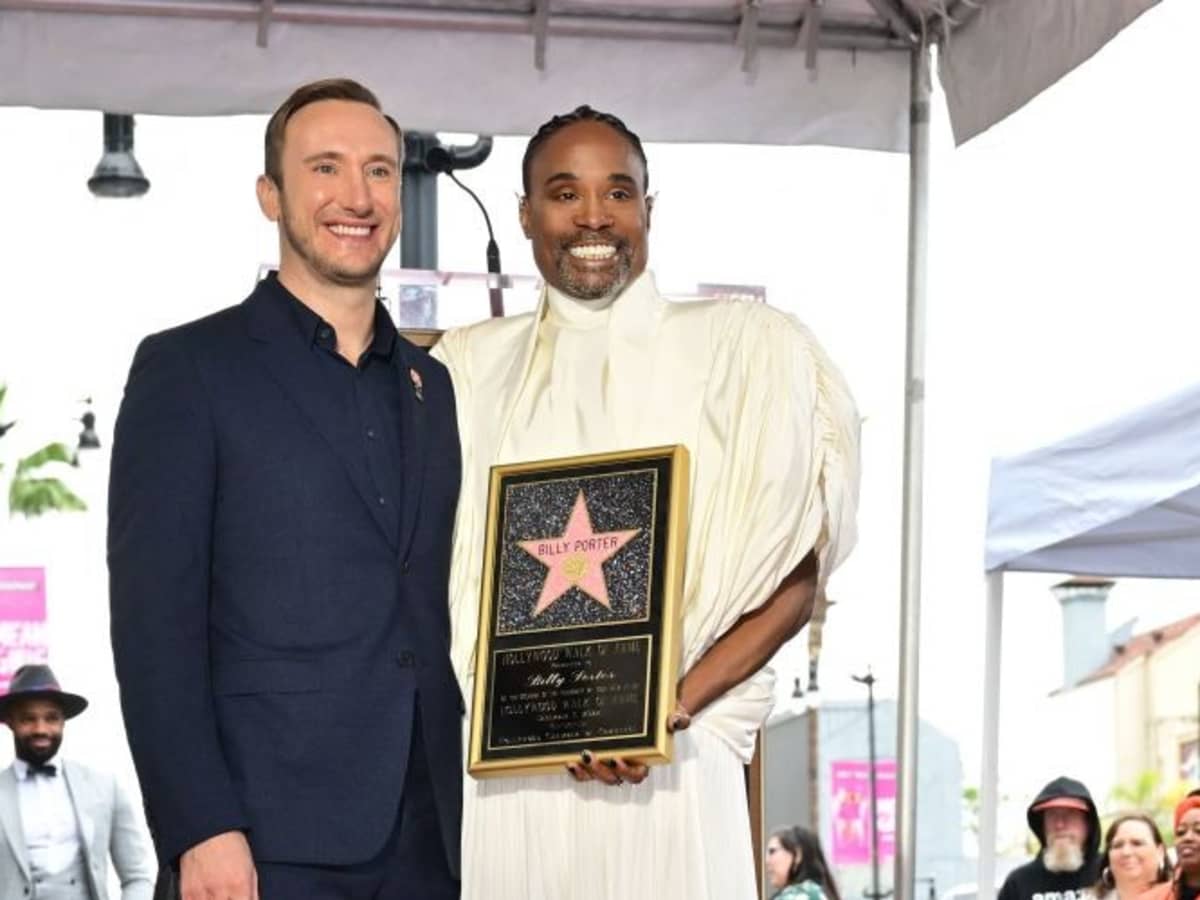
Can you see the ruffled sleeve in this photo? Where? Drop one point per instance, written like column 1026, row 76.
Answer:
column 776, row 477
column 777, row 473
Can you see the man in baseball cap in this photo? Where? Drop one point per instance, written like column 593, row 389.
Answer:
column 61, row 819
column 1064, row 819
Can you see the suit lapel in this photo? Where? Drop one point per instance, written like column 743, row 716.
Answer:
column 414, row 373
column 10, row 819
column 81, row 802
column 290, row 364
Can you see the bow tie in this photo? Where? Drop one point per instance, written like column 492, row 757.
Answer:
column 49, row 770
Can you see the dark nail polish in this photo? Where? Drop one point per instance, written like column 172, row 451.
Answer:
column 586, row 755
column 611, row 763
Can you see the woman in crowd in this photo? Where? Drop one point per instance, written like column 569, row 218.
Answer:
column 1185, row 883
column 1135, row 858
column 796, row 867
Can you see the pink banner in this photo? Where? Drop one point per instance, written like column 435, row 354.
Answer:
column 22, row 620
column 851, row 809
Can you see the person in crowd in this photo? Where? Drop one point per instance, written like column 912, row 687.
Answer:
column 1064, row 819
column 1135, row 858
column 62, row 819
column 1184, row 883
column 796, row 867
column 605, row 364
column 284, row 478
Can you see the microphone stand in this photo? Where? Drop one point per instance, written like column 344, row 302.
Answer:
column 445, row 160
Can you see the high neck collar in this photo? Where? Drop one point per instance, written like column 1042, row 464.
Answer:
column 587, row 314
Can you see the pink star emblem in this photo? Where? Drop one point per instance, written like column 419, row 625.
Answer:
column 575, row 559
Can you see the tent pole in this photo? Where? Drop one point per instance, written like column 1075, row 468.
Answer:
column 904, row 883
column 989, row 774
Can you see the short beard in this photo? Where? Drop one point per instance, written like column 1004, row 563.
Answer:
column 339, row 276
column 1063, row 856
column 589, row 291
column 23, row 749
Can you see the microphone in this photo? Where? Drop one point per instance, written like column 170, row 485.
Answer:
column 444, row 160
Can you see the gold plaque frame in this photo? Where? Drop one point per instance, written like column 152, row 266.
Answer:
column 573, row 668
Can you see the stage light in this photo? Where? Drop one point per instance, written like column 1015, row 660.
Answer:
column 118, row 173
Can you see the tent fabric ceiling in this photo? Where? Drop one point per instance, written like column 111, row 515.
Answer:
column 834, row 72
column 1119, row 499
column 986, row 79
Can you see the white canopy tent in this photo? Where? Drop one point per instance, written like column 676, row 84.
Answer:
column 1121, row 499
column 737, row 71
column 852, row 73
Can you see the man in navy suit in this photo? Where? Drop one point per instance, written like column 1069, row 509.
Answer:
column 283, row 486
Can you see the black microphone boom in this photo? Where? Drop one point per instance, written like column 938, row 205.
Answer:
column 444, row 160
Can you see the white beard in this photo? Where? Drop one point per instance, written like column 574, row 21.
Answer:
column 1063, row 855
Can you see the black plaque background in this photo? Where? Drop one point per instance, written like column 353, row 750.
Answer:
column 498, row 729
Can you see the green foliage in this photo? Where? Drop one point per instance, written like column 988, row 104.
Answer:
column 32, row 492
column 1149, row 793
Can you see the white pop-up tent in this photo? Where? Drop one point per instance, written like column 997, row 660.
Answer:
column 851, row 73
column 737, row 71
column 1121, row 499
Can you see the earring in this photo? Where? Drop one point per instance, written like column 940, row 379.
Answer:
column 1106, row 878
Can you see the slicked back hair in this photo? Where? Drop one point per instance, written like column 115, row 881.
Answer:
column 313, row 92
column 581, row 114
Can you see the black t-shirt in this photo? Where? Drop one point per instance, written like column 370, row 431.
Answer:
column 1033, row 881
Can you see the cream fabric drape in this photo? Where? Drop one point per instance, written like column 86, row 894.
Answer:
column 772, row 434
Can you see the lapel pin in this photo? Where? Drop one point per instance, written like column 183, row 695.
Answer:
column 417, row 385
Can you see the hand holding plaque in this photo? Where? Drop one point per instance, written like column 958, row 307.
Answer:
column 579, row 617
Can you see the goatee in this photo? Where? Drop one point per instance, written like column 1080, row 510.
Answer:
column 587, row 289
column 23, row 748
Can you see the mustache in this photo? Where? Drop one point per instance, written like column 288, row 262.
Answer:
column 585, row 236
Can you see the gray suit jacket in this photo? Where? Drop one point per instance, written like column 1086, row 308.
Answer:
column 107, row 824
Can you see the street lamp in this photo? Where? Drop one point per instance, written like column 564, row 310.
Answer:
column 869, row 681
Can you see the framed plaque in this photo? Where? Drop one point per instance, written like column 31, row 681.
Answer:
column 579, row 613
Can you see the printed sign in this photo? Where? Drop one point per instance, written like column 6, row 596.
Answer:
column 851, row 809
column 22, row 620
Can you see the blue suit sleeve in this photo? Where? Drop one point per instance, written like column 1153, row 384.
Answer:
column 161, row 500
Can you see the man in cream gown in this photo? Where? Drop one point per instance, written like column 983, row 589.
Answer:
column 605, row 363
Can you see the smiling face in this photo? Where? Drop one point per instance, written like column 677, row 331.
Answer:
column 587, row 214
column 37, row 727
column 779, row 863
column 1187, row 845
column 1133, row 855
column 338, row 206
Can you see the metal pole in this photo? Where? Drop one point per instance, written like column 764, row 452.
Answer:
column 418, row 197
column 914, row 432
column 989, row 773
column 869, row 681
column 814, row 766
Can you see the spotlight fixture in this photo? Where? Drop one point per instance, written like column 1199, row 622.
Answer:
column 118, row 173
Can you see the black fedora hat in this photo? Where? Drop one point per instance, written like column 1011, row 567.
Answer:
column 37, row 682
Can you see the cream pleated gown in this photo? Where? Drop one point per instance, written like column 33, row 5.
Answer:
column 772, row 434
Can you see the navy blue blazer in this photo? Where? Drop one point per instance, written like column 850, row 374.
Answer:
column 270, row 639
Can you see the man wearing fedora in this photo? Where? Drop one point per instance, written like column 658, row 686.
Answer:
column 60, row 819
